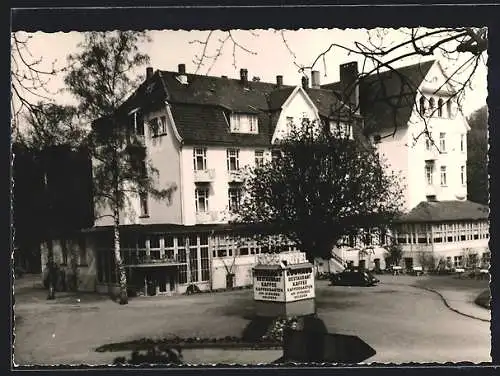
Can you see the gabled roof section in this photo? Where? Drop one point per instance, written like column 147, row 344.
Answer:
column 444, row 211
column 151, row 93
column 327, row 102
column 278, row 97
column 199, row 124
column 201, row 105
column 387, row 98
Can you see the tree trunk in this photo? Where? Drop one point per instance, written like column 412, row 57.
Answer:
column 73, row 283
column 52, row 275
column 123, row 296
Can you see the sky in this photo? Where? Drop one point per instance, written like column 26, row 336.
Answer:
column 262, row 52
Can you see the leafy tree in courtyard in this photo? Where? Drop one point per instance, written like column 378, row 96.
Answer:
column 320, row 189
column 477, row 156
column 100, row 78
column 394, row 254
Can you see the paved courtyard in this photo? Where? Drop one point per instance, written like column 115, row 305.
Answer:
column 401, row 322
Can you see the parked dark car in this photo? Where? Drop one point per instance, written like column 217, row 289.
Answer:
column 351, row 277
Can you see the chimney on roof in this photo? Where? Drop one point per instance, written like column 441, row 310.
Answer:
column 149, row 72
column 243, row 76
column 305, row 82
column 181, row 68
column 279, row 81
column 225, row 77
column 349, row 85
column 315, row 79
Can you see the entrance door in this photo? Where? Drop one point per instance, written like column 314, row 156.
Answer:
column 162, row 280
column 171, row 279
column 362, row 264
column 409, row 263
column 377, row 264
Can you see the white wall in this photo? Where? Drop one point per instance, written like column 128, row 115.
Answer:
column 408, row 156
column 242, row 269
column 163, row 153
column 297, row 106
column 394, row 150
column 218, row 201
column 453, row 158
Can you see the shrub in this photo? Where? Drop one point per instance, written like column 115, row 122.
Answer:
column 154, row 355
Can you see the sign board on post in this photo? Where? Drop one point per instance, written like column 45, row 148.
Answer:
column 281, row 289
column 269, row 283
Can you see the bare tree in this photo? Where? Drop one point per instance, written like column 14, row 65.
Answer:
column 100, row 78
column 29, row 82
column 380, row 52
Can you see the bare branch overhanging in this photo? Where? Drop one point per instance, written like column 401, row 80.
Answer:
column 450, row 42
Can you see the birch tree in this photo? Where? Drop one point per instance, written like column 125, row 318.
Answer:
column 100, row 76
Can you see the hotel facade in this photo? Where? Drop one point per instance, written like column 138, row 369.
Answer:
column 200, row 132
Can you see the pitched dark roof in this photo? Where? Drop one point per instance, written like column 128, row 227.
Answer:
column 217, row 91
column 198, row 124
column 442, row 211
column 278, row 97
column 387, row 98
column 201, row 107
column 328, row 102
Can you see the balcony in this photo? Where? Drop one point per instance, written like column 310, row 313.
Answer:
column 206, row 217
column 235, row 176
column 204, row 176
column 461, row 193
column 431, row 190
column 432, row 154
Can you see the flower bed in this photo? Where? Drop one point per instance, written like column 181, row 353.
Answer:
column 261, row 333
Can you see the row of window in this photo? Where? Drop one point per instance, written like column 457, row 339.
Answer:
column 471, row 260
column 202, row 194
column 232, row 158
column 442, row 233
column 368, row 238
column 136, row 124
column 158, row 247
column 442, row 143
column 429, row 174
column 244, row 123
column 432, row 107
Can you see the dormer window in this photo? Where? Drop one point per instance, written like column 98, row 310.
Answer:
column 182, row 78
column 253, row 123
column 244, row 123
